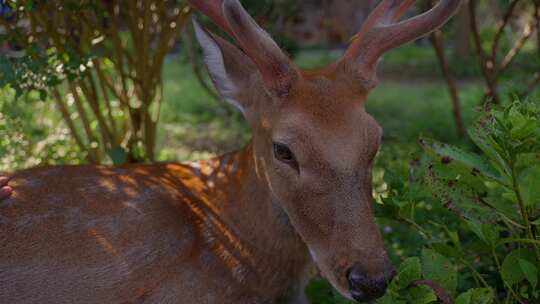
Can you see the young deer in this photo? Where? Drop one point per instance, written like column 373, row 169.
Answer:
column 240, row 228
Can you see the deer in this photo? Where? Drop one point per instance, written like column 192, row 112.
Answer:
column 243, row 227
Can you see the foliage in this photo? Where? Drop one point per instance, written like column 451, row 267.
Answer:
column 32, row 133
column 101, row 63
column 476, row 215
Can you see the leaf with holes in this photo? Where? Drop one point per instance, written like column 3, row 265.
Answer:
column 452, row 156
column 460, row 199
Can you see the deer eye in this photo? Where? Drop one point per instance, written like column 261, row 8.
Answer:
column 285, row 155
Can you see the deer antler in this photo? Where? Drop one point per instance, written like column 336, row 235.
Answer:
column 382, row 31
column 275, row 67
column 213, row 9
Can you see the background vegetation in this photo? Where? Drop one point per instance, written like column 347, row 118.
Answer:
column 456, row 180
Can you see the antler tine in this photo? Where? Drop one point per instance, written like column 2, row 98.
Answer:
column 382, row 31
column 273, row 65
column 214, row 10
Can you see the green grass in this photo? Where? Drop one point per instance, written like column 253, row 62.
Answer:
column 407, row 109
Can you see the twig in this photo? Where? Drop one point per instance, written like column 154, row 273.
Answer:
column 501, row 28
column 509, row 58
column 438, row 45
column 487, row 64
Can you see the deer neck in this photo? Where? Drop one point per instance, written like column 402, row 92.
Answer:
column 255, row 226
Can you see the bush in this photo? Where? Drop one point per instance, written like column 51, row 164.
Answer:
column 100, row 62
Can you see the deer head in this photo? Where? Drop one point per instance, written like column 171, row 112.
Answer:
column 313, row 141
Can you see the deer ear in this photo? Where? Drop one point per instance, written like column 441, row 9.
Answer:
column 229, row 68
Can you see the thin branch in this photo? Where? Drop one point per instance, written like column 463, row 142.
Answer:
column 82, row 113
column 71, row 126
column 487, row 65
column 516, row 49
column 502, row 27
column 438, row 45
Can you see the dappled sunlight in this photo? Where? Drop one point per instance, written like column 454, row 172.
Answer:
column 103, row 242
column 136, row 193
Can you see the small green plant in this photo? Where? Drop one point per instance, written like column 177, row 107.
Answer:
column 495, row 193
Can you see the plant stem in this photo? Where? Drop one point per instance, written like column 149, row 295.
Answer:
column 498, row 263
column 422, row 231
column 476, row 273
column 524, row 212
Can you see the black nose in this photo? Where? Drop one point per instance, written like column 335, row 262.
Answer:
column 364, row 287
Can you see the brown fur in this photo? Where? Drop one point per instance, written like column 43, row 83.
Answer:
column 168, row 233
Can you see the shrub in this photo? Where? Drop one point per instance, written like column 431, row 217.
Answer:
column 101, row 63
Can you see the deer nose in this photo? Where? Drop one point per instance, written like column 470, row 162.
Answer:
column 365, row 288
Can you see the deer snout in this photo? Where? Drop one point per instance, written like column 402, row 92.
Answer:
column 364, row 287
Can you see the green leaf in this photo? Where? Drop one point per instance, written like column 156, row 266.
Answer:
column 491, row 234
column 511, row 269
column 530, row 271
column 388, row 298
column 422, row 295
column 486, row 232
column 460, row 199
column 118, row 155
column 439, row 269
column 481, row 136
column 476, row 296
column 409, row 271
column 454, row 252
column 529, row 185
column 522, row 126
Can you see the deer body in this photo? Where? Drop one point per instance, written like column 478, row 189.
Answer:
column 241, row 228
column 168, row 233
